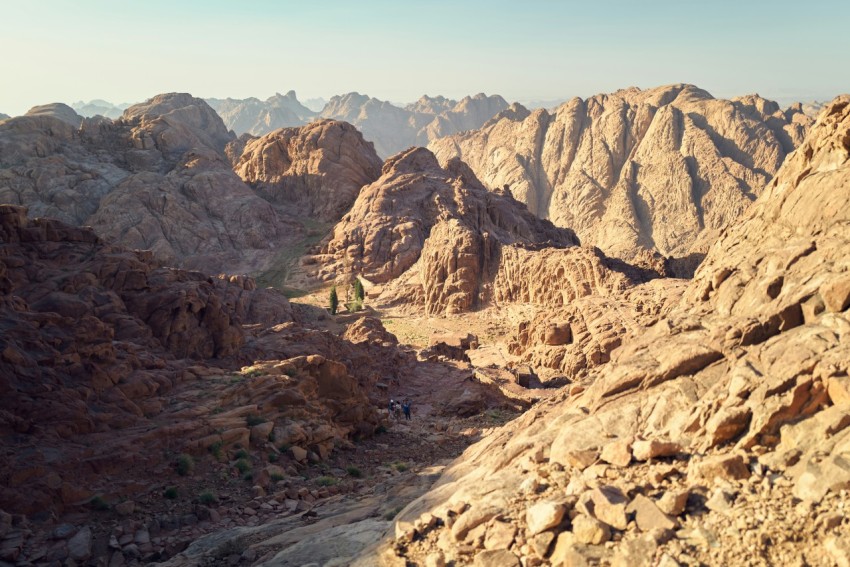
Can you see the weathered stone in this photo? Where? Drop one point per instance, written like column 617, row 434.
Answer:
column 589, row 530
column 725, row 467
column 648, row 516
column 727, row 424
column 80, row 546
column 500, row 535
column 543, row 516
column 609, row 506
column 617, row 453
column 673, row 502
column 721, row 500
column 496, row 558
column 838, row 388
column 472, row 518
column 298, row 453
column 260, row 433
column 836, row 294
column 643, row 450
column 125, row 508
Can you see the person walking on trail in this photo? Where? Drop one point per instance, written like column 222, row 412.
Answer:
column 397, row 411
column 406, row 408
column 391, row 407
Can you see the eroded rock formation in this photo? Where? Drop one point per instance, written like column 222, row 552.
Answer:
column 662, row 170
column 110, row 363
column 315, row 170
column 160, row 179
column 725, row 414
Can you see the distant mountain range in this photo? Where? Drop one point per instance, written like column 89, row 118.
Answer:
column 99, row 107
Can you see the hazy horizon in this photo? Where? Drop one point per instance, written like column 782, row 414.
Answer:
column 396, row 52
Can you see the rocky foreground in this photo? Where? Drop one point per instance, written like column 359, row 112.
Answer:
column 717, row 436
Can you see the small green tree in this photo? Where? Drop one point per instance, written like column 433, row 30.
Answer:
column 334, row 301
column 359, row 294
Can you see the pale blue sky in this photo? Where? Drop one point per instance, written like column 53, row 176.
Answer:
column 129, row 50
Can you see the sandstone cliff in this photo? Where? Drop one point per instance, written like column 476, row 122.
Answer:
column 712, row 426
column 257, row 117
column 393, row 129
column 662, row 170
column 315, row 171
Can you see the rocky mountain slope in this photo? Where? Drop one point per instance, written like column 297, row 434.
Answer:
column 3, row 116
column 393, row 129
column 160, row 178
column 720, row 433
column 440, row 240
column 259, row 117
column 145, row 406
column 661, row 170
column 316, row 171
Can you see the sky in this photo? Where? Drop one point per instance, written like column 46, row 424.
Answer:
column 131, row 50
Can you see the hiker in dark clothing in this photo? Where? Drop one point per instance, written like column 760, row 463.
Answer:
column 406, row 409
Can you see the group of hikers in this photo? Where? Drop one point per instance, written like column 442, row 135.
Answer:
column 397, row 408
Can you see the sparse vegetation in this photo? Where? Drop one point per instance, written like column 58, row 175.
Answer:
column 354, row 471
column 248, row 476
column 326, row 481
column 215, row 450
column 243, row 466
column 359, row 293
column 98, row 503
column 333, row 301
column 207, row 497
column 253, row 420
column 241, row 454
column 185, row 464
column 170, row 493
column 392, row 513
column 276, row 477
column 399, row 466
column 273, row 457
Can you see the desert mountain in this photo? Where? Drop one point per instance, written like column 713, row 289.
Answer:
column 440, row 240
column 99, row 107
column 393, row 129
column 159, row 179
column 316, row 170
column 661, row 170
column 725, row 420
column 3, row 116
column 259, row 117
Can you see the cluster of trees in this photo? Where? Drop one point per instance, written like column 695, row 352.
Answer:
column 355, row 304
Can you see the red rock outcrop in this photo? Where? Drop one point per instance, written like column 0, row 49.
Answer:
column 662, row 170
column 315, row 170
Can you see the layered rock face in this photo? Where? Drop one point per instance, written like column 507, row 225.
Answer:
column 393, row 129
column 447, row 244
column 662, row 170
column 109, row 363
column 257, row 117
column 316, row 170
column 718, row 420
